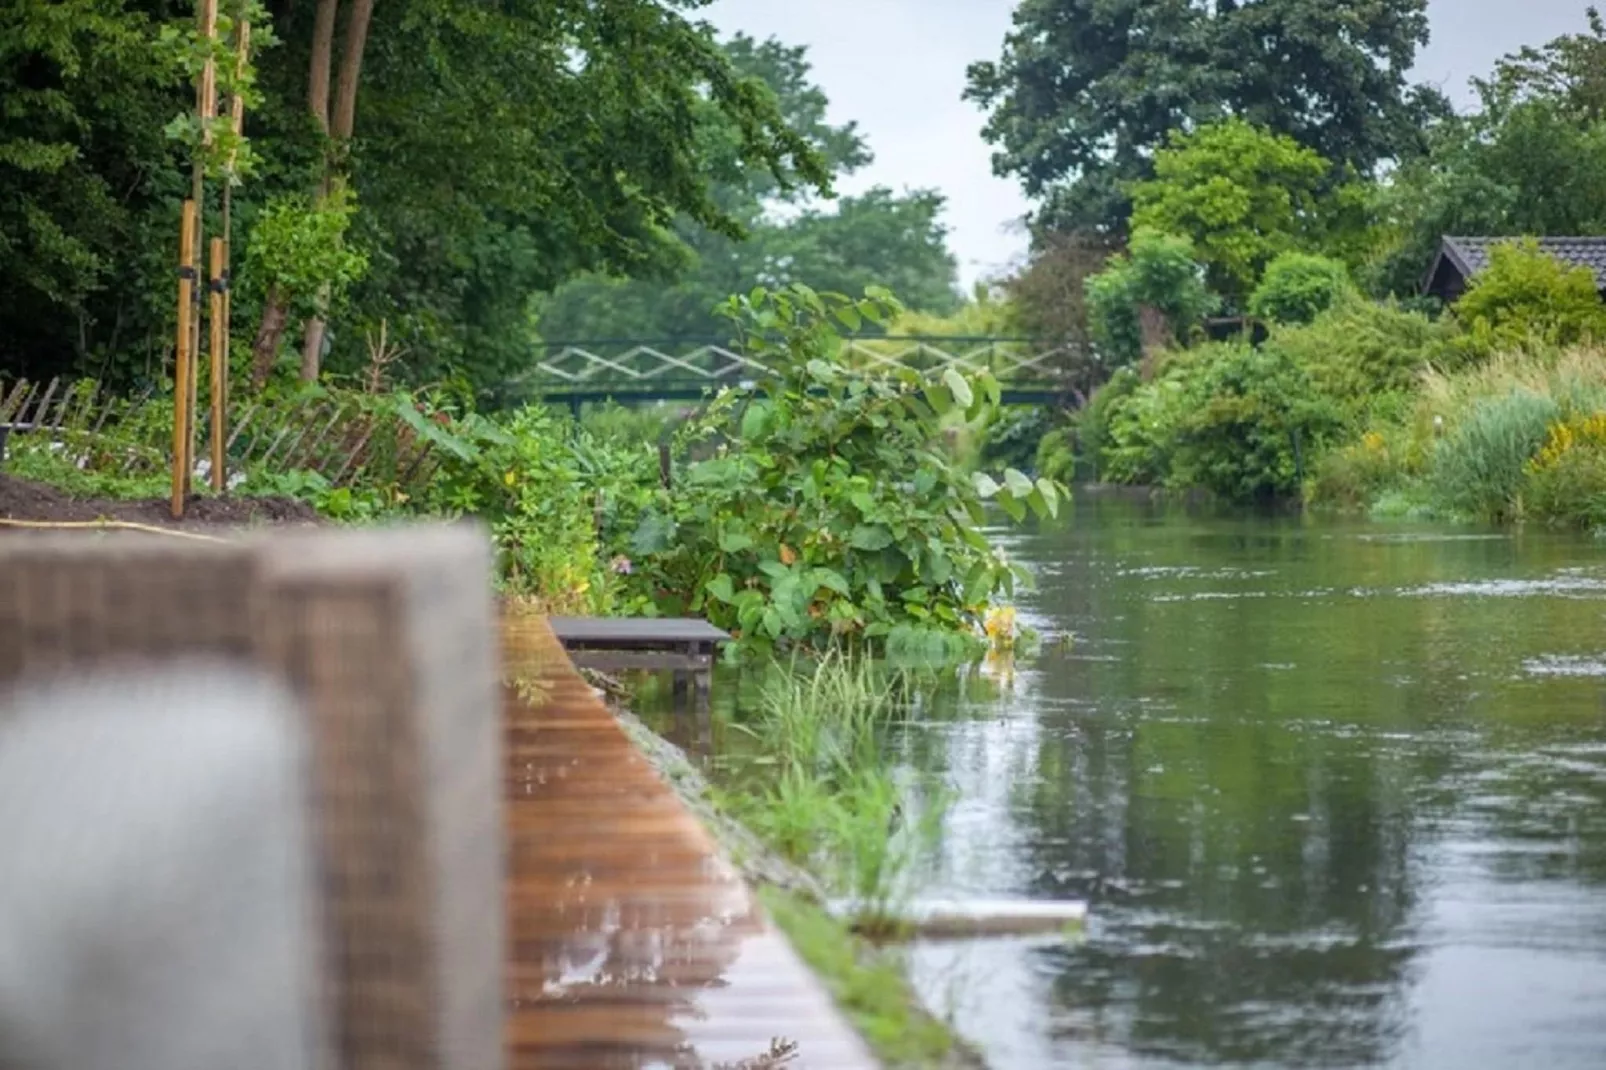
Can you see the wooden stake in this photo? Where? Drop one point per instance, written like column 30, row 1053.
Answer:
column 219, row 371
column 242, row 55
column 206, row 108
column 181, row 357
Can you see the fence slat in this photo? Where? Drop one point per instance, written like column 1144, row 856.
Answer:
column 351, row 458
column 306, row 455
column 13, row 401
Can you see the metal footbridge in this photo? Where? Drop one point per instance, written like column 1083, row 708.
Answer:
column 633, row 372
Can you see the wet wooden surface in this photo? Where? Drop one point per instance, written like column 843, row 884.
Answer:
column 631, row 943
column 626, row 632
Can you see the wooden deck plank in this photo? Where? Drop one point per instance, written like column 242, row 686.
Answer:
column 631, row 943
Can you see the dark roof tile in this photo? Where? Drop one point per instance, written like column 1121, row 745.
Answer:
column 1471, row 255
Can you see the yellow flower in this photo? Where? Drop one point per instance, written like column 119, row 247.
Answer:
column 1000, row 627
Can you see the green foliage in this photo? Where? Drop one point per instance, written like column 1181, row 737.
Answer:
column 1526, row 297
column 297, row 248
column 1357, row 350
column 1478, row 468
column 1241, row 422
column 1136, row 429
column 542, row 485
column 1520, row 437
column 1011, row 437
column 825, row 795
column 1243, row 195
column 828, row 510
column 89, row 185
column 1048, row 296
column 497, row 153
column 1566, row 71
column 1566, row 479
column 621, row 427
column 1297, row 287
column 1056, row 457
column 1251, row 420
column 876, row 238
column 1158, row 272
column 213, row 142
column 1530, row 160
column 1092, row 435
column 1086, row 90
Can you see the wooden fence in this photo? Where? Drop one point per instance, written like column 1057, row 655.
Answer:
column 342, row 437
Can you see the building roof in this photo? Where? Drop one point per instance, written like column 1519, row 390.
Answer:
column 1466, row 256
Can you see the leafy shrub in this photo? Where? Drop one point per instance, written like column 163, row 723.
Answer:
column 1525, row 297
column 828, row 510
column 1566, row 480
column 1158, row 272
column 1479, row 466
column 1353, row 476
column 1139, row 431
column 1056, row 456
column 1242, row 194
column 1011, row 437
column 1298, row 287
column 1250, row 420
column 1358, row 350
column 541, row 485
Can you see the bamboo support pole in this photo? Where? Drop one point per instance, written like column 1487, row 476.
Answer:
column 219, row 370
column 220, row 385
column 181, row 357
column 206, row 108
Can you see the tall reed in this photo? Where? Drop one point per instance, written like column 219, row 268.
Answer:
column 827, row 792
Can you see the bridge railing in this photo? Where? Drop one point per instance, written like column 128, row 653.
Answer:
column 681, row 368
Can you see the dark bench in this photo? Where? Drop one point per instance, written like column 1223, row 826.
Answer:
column 684, row 646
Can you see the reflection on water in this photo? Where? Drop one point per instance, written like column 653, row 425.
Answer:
column 1334, row 793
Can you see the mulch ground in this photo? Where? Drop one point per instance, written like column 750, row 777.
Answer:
column 21, row 499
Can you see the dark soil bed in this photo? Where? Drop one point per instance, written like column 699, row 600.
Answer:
column 21, row 499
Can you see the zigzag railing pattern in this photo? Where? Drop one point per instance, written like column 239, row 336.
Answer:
column 667, row 370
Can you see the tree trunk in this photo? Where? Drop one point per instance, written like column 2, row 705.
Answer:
column 339, row 125
column 276, row 308
column 265, row 349
column 1155, row 331
column 344, row 119
column 323, row 51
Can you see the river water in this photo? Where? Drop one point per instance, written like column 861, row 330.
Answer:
column 1333, row 791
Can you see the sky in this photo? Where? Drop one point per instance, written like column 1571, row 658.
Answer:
column 898, row 68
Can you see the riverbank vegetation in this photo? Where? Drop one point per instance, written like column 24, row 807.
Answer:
column 821, row 785
column 1251, row 283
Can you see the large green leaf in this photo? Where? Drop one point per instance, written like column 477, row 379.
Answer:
column 833, row 580
column 870, row 537
column 756, row 420
column 959, row 387
column 654, row 533
column 722, row 588
column 733, row 540
column 430, row 431
column 1051, row 496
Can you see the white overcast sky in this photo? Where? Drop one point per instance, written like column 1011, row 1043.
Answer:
column 898, row 68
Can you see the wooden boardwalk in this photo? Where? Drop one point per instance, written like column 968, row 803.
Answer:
column 630, row 942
